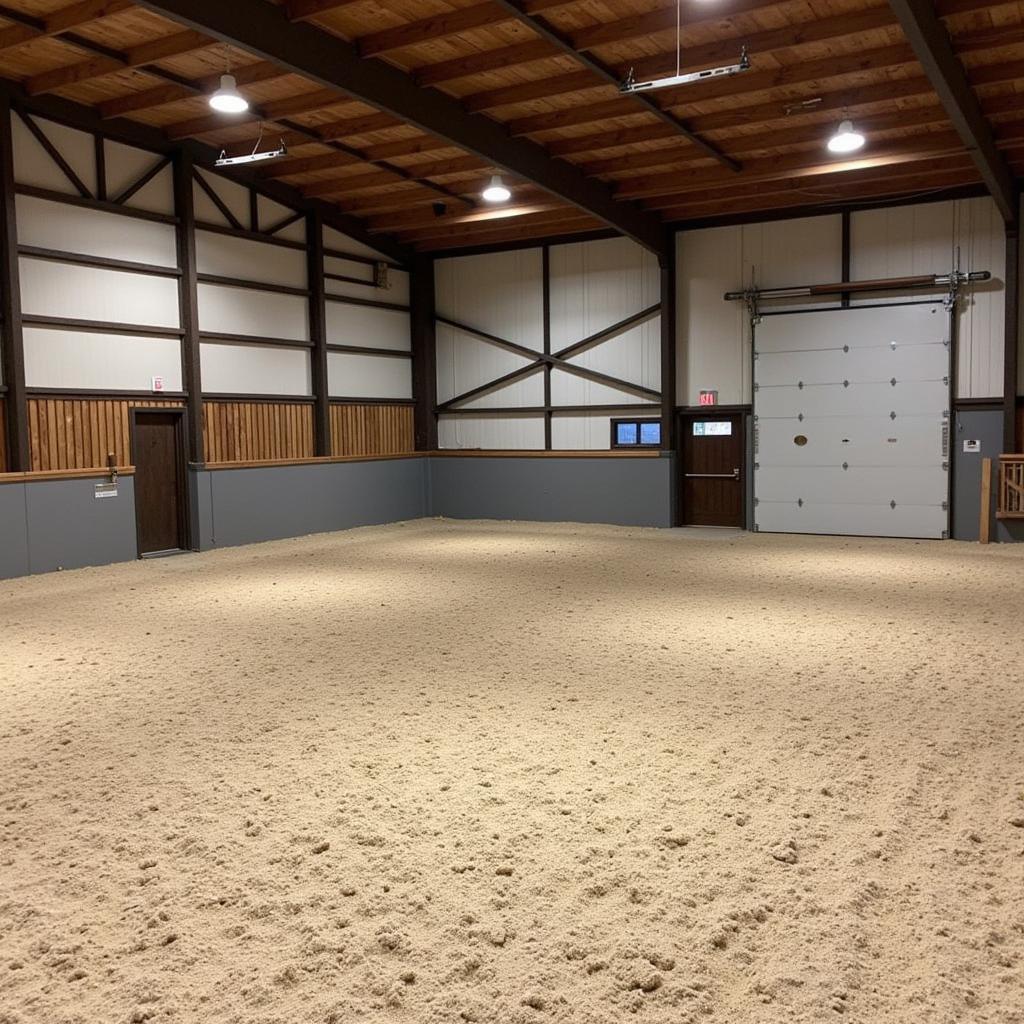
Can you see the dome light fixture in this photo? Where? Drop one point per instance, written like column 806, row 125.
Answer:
column 846, row 138
column 227, row 99
column 497, row 191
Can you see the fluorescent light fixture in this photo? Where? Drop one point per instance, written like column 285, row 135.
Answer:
column 227, row 99
column 846, row 139
column 250, row 158
column 631, row 85
column 497, row 191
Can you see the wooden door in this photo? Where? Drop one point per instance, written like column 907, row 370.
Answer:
column 712, row 470
column 157, row 446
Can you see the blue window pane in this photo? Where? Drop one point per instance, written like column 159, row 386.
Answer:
column 650, row 433
column 625, row 433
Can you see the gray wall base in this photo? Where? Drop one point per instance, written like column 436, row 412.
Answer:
column 47, row 525
column 621, row 492
column 243, row 506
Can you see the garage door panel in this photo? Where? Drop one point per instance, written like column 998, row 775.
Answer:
column 834, row 440
column 868, row 328
column 870, row 485
column 905, row 398
column 903, row 521
column 851, row 414
column 906, row 363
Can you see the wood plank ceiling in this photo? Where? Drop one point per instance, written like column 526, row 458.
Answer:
column 813, row 62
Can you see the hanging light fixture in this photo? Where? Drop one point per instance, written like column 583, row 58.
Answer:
column 497, row 191
column 256, row 156
column 227, row 99
column 846, row 138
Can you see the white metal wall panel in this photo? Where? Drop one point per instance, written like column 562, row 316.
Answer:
column 529, row 391
column 271, row 214
column 91, row 293
column 126, row 165
column 235, row 197
column 597, row 284
column 255, row 314
column 358, row 376
column 713, row 336
column 254, row 370
column 397, row 292
column 368, row 326
column 464, row 362
column 73, row 359
column 231, row 256
column 342, row 243
column 511, row 433
column 572, row 432
column 78, row 229
column 852, row 421
column 568, row 389
column 34, row 166
column 786, row 252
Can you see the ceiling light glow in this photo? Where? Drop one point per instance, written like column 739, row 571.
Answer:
column 227, row 99
column 497, row 191
column 846, row 139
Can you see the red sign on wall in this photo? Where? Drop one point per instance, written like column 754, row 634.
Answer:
column 709, row 398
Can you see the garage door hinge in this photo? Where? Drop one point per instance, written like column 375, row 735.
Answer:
column 892, row 504
column 945, row 467
column 945, row 506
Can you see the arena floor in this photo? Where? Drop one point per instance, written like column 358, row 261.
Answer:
column 512, row 773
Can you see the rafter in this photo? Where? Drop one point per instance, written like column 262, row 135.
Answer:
column 265, row 31
column 605, row 73
column 930, row 41
column 26, row 28
column 98, row 66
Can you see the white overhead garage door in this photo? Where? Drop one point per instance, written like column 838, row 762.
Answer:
column 851, row 421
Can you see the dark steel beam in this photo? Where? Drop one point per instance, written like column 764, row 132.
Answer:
column 667, row 267
column 930, row 41
column 188, row 305
column 265, row 30
column 609, row 76
column 318, row 334
column 424, row 353
column 12, row 348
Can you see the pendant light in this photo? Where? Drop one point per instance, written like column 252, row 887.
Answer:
column 497, row 191
column 227, row 99
column 846, row 138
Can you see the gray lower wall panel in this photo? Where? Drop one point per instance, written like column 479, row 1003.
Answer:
column 13, row 531
column 68, row 527
column 622, row 492
column 243, row 506
column 986, row 426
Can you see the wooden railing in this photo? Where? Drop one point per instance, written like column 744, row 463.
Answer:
column 1011, row 487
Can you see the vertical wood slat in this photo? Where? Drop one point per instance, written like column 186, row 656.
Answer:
column 78, row 433
column 248, row 431
column 372, row 429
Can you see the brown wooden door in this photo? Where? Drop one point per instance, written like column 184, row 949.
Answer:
column 712, row 470
column 159, row 481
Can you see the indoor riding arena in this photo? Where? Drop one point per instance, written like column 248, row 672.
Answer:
column 511, row 512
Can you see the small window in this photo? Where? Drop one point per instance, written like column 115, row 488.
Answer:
column 636, row 433
column 712, row 428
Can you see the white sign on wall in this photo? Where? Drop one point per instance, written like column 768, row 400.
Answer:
column 158, row 383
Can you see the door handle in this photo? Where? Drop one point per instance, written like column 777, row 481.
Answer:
column 734, row 475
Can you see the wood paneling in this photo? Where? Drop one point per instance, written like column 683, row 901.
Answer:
column 371, row 429
column 247, row 431
column 78, row 433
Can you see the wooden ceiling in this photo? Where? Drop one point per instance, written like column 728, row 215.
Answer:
column 517, row 63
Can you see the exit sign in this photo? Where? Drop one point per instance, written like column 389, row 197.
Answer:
column 709, row 398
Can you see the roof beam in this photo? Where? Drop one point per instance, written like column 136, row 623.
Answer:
column 27, row 28
column 930, row 41
column 265, row 31
column 607, row 74
column 98, row 66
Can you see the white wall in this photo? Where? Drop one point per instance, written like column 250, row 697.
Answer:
column 97, row 357
column 714, row 335
column 593, row 285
